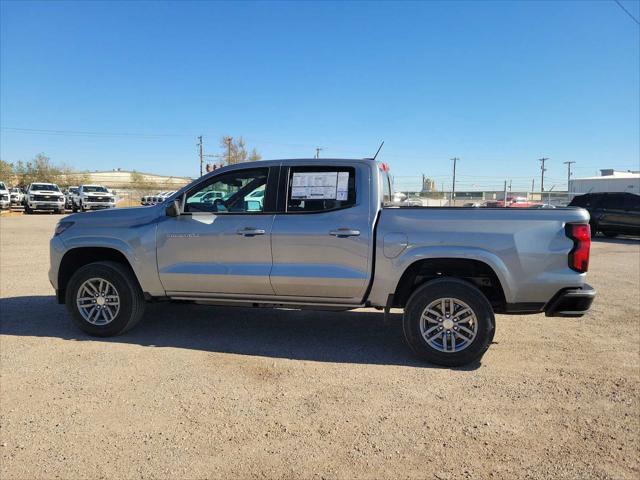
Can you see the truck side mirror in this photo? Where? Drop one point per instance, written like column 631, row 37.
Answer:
column 173, row 209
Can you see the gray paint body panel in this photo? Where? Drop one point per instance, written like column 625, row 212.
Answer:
column 297, row 261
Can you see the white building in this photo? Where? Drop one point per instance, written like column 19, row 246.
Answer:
column 608, row 181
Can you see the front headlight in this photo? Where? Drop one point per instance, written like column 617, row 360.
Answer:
column 61, row 227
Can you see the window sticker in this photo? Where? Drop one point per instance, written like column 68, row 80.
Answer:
column 342, row 189
column 316, row 186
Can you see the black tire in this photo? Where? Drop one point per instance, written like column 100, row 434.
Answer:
column 132, row 302
column 74, row 208
column 27, row 210
column 460, row 290
column 610, row 234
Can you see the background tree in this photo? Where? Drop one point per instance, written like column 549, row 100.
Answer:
column 235, row 151
column 139, row 182
column 6, row 172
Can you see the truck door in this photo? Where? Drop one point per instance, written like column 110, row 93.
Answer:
column 322, row 235
column 614, row 216
column 220, row 243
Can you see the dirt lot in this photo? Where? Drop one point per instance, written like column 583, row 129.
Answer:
column 197, row 392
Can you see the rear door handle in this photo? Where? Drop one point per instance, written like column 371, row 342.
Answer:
column 250, row 232
column 345, row 232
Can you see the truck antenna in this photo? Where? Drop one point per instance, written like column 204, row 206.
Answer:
column 379, row 148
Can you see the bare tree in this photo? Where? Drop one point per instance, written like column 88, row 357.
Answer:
column 235, row 151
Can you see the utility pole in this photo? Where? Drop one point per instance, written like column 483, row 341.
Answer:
column 542, row 170
column 201, row 155
column 453, row 189
column 505, row 194
column 228, row 141
column 533, row 184
column 568, row 164
column 510, row 185
column 318, row 149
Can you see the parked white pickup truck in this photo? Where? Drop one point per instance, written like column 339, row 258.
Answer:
column 16, row 196
column 93, row 197
column 5, row 200
column 325, row 234
column 43, row 196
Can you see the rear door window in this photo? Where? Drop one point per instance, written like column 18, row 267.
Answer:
column 313, row 189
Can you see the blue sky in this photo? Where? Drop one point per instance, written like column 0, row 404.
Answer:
column 498, row 84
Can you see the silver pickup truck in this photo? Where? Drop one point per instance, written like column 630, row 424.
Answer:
column 324, row 234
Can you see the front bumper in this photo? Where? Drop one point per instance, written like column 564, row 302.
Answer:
column 571, row 302
column 5, row 203
column 97, row 205
column 46, row 205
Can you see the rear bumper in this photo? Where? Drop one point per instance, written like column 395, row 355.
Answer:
column 571, row 302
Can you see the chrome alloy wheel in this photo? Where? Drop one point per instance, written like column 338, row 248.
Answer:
column 448, row 325
column 98, row 301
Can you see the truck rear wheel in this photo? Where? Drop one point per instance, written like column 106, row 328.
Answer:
column 104, row 299
column 449, row 322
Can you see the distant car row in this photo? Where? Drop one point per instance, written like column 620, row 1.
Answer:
column 41, row 196
column 154, row 199
column 512, row 202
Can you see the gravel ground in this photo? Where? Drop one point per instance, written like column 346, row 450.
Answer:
column 195, row 392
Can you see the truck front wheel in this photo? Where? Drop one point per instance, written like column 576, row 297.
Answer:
column 104, row 299
column 449, row 322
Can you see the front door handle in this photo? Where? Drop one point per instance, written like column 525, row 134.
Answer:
column 250, row 232
column 345, row 232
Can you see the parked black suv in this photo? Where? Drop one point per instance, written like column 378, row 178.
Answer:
column 611, row 213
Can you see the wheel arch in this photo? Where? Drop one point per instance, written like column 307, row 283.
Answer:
column 474, row 271
column 78, row 257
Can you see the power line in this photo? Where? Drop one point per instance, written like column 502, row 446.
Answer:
column 627, row 12
column 93, row 133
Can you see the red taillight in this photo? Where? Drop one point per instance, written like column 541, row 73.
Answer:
column 579, row 254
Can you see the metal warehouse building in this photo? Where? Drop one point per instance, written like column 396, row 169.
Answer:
column 609, row 181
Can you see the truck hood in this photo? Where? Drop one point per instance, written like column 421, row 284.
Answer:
column 118, row 217
column 45, row 192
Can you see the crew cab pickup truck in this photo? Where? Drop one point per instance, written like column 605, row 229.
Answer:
column 5, row 200
column 325, row 235
column 43, row 196
column 92, row 197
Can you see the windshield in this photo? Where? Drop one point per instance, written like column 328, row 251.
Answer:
column 73, row 190
column 92, row 189
column 44, row 186
column 2, row 187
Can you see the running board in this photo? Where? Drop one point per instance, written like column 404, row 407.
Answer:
column 230, row 302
